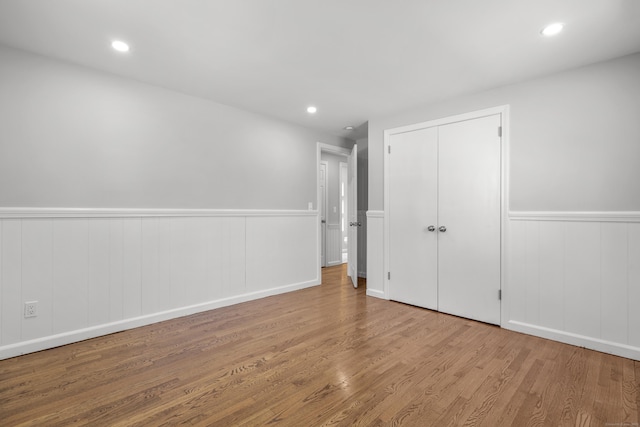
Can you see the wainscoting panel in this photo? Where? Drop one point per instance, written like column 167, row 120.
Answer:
column 576, row 278
column 97, row 272
column 375, row 254
column 334, row 244
column 99, row 286
column 131, row 248
column 11, row 286
column 37, row 278
column 551, row 273
column 615, row 259
column 278, row 250
column 633, row 280
column 362, row 244
column 115, row 270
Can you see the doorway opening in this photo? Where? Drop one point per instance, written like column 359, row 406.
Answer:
column 338, row 218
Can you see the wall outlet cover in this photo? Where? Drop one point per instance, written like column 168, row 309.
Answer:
column 30, row 309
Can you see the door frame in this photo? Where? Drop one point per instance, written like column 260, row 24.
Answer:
column 332, row 149
column 322, row 212
column 503, row 110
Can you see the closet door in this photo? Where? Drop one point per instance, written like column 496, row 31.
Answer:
column 413, row 189
column 469, row 209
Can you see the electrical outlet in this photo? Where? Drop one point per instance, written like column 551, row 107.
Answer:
column 30, row 309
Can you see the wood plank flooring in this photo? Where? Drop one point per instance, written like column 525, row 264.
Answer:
column 322, row 356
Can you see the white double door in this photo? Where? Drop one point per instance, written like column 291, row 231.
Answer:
column 444, row 218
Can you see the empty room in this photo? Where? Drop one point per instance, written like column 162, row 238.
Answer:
column 314, row 213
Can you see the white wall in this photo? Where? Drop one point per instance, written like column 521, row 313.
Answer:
column 123, row 203
column 574, row 204
column 73, row 137
column 574, row 138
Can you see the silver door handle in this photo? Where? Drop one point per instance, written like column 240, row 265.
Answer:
column 442, row 228
column 431, row 228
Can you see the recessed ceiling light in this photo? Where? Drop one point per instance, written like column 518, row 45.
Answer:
column 120, row 46
column 348, row 128
column 311, row 109
column 552, row 29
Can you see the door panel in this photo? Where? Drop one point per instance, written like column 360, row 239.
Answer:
column 469, row 208
column 413, row 189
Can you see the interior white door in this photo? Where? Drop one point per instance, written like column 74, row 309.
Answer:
column 322, row 187
column 352, row 252
column 413, row 217
column 469, row 211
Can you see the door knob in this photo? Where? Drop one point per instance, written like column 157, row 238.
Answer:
column 431, row 228
column 442, row 228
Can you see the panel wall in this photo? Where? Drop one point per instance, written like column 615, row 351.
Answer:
column 362, row 243
column 375, row 255
column 334, row 244
column 101, row 273
column 576, row 278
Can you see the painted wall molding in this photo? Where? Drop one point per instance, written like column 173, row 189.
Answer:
column 591, row 216
column 27, row 212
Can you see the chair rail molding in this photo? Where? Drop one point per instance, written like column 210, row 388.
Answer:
column 590, row 216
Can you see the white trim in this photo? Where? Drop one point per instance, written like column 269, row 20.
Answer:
column 617, row 349
column 504, row 210
column 325, row 204
column 9, row 213
column 44, row 343
column 588, row 216
column 375, row 293
column 327, row 148
column 375, row 214
column 447, row 120
column 504, row 184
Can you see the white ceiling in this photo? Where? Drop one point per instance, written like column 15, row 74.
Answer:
column 353, row 59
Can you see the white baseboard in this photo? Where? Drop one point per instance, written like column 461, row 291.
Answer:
column 70, row 337
column 617, row 349
column 375, row 293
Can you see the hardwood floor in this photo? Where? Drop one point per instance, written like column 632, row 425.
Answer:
column 326, row 355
